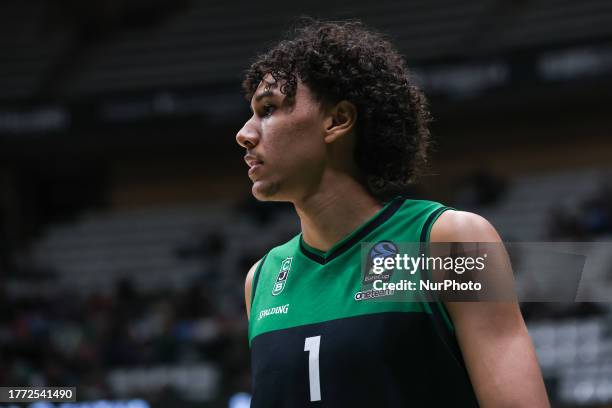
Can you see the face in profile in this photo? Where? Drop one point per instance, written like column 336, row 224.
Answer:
column 284, row 142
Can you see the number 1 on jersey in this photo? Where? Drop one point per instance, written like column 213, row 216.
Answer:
column 312, row 344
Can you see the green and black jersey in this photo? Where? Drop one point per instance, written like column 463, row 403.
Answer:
column 319, row 339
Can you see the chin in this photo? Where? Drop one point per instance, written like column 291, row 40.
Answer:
column 266, row 191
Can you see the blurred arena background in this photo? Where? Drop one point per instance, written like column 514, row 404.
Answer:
column 126, row 222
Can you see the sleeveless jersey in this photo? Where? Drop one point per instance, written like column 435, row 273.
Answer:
column 318, row 339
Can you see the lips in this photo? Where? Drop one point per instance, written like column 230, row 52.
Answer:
column 253, row 162
column 254, row 168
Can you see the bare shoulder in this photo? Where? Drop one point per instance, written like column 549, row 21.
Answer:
column 248, row 284
column 488, row 331
column 462, row 226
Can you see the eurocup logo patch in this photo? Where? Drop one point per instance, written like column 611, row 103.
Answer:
column 281, row 279
column 382, row 249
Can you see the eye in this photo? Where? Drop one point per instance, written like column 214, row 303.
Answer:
column 267, row 110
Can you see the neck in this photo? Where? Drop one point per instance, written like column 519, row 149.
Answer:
column 329, row 215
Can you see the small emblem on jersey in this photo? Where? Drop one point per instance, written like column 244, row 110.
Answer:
column 382, row 249
column 372, row 294
column 281, row 279
column 284, row 309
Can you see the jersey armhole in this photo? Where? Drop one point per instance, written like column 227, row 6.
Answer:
column 440, row 315
column 256, row 278
column 425, row 237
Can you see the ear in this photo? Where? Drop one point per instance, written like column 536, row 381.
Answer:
column 340, row 121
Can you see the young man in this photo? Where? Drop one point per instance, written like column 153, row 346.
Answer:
column 339, row 130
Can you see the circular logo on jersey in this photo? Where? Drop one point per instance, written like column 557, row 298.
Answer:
column 382, row 249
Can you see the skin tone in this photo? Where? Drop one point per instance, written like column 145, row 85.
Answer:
column 493, row 338
column 299, row 150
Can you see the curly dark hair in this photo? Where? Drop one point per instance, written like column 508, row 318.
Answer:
column 347, row 61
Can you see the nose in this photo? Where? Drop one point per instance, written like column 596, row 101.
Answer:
column 247, row 137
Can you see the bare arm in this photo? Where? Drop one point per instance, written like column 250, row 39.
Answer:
column 248, row 284
column 494, row 341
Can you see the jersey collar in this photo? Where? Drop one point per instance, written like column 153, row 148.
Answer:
column 354, row 237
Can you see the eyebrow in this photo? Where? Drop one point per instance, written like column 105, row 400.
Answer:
column 262, row 95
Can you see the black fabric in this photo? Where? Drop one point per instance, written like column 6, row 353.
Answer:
column 388, row 359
